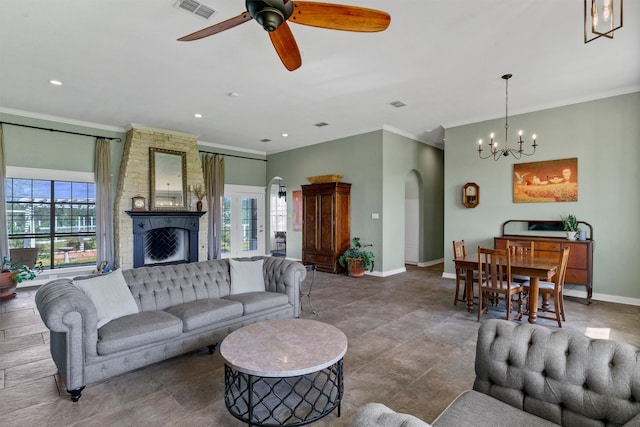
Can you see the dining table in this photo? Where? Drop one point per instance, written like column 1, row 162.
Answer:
column 535, row 267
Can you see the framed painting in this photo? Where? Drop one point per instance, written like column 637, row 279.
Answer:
column 547, row 181
column 297, row 210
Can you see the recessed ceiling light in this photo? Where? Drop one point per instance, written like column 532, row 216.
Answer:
column 321, row 124
column 265, row 140
column 285, row 135
column 197, row 115
column 55, row 82
column 233, row 94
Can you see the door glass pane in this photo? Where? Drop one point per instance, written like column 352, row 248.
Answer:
column 225, row 243
column 249, row 224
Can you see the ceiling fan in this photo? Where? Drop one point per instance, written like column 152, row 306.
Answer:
column 274, row 14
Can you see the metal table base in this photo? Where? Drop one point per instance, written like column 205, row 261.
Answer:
column 283, row 401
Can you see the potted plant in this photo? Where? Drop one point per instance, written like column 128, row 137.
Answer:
column 200, row 194
column 356, row 259
column 12, row 274
column 570, row 224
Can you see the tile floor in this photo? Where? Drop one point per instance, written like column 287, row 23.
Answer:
column 409, row 347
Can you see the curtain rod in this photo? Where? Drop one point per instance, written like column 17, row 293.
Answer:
column 61, row 131
column 232, row 155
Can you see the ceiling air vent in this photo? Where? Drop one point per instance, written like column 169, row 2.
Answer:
column 265, row 140
column 397, row 104
column 196, row 8
column 321, row 124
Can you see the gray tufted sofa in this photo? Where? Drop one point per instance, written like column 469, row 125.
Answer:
column 181, row 308
column 529, row 375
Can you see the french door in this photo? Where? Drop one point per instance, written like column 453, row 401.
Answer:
column 242, row 221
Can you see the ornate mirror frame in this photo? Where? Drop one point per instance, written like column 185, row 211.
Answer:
column 167, row 179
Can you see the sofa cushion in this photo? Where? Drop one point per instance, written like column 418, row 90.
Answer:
column 110, row 294
column 136, row 330
column 378, row 415
column 473, row 408
column 246, row 276
column 254, row 302
column 197, row 314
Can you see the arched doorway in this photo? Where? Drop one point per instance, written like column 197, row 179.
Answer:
column 278, row 217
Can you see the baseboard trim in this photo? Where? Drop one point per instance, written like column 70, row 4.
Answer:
column 582, row 293
column 597, row 296
column 430, row 263
column 386, row 273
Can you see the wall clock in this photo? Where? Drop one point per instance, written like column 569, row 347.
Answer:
column 138, row 203
column 471, row 195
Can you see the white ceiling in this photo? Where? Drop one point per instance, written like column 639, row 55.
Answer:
column 120, row 63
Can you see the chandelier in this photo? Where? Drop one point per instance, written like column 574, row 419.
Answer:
column 506, row 151
column 600, row 17
column 282, row 191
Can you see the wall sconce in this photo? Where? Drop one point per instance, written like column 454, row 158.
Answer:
column 600, row 18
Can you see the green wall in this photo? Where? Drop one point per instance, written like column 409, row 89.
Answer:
column 241, row 168
column 605, row 137
column 44, row 149
column 376, row 164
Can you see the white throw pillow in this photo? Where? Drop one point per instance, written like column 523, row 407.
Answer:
column 110, row 294
column 246, row 276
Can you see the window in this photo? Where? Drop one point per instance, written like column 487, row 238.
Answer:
column 57, row 217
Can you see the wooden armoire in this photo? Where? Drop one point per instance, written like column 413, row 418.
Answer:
column 326, row 223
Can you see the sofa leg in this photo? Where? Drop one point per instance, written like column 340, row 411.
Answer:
column 75, row 393
column 212, row 348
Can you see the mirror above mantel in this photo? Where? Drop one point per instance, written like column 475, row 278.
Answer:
column 167, row 179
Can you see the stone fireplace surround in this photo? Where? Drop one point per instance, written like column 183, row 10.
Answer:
column 133, row 180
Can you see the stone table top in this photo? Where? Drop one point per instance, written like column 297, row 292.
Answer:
column 284, row 347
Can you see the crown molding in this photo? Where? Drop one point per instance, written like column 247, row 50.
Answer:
column 62, row 120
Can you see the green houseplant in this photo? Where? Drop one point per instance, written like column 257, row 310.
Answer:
column 12, row 274
column 356, row 259
column 570, row 225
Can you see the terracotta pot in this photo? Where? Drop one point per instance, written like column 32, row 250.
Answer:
column 355, row 267
column 7, row 286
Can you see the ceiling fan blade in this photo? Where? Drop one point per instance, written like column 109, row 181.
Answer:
column 217, row 28
column 339, row 17
column 286, row 46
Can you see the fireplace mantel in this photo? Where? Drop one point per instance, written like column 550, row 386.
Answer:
column 145, row 221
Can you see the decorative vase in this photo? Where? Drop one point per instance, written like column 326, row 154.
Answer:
column 7, row 285
column 582, row 235
column 355, row 267
column 199, row 206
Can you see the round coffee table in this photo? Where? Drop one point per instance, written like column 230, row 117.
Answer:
column 283, row 372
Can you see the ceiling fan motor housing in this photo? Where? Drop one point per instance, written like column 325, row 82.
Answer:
column 270, row 13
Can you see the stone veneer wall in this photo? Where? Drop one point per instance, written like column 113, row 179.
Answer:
column 134, row 180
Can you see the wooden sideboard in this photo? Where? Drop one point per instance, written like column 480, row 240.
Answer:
column 580, row 266
column 326, row 224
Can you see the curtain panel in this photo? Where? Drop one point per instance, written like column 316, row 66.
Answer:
column 213, row 171
column 104, row 209
column 4, row 238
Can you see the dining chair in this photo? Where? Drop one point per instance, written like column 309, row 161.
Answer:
column 460, row 251
column 555, row 289
column 494, row 266
column 522, row 249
